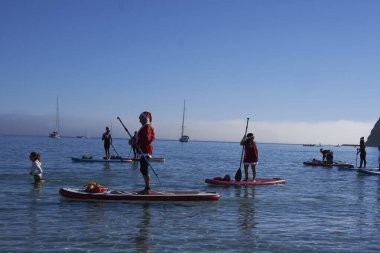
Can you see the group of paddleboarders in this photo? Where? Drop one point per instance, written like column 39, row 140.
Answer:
column 141, row 143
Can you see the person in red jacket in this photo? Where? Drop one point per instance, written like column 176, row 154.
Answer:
column 251, row 154
column 145, row 137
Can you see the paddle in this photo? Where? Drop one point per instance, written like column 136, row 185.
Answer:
column 115, row 151
column 238, row 172
column 139, row 149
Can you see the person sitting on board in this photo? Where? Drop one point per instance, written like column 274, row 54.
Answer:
column 132, row 142
column 36, row 170
column 327, row 156
column 362, row 152
column 107, row 138
column 145, row 137
column 251, row 154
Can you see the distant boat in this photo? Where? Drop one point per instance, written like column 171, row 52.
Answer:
column 308, row 145
column 183, row 138
column 55, row 134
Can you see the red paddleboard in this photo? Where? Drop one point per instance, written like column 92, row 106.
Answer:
column 262, row 181
column 126, row 195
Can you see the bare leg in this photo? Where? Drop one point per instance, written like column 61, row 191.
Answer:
column 246, row 171
column 253, row 171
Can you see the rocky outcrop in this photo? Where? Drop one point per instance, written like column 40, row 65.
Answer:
column 373, row 139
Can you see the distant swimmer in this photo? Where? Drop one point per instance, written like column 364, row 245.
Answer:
column 362, row 152
column 36, row 170
column 327, row 156
column 251, row 154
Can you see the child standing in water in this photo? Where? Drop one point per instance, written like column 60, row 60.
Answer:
column 36, row 170
column 251, row 155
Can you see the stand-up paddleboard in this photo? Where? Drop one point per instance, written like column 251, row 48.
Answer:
column 262, row 181
column 92, row 160
column 126, row 195
column 315, row 162
column 374, row 171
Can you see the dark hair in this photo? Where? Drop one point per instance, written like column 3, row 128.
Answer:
column 250, row 135
column 35, row 155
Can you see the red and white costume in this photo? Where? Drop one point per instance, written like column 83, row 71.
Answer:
column 146, row 136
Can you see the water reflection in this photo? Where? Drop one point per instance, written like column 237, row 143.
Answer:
column 142, row 238
column 106, row 166
column 246, row 210
column 34, row 207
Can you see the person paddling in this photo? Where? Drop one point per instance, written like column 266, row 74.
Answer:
column 145, row 137
column 378, row 158
column 36, row 170
column 363, row 153
column 251, row 155
column 107, row 138
column 132, row 142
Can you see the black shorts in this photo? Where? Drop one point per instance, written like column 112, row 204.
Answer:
column 144, row 165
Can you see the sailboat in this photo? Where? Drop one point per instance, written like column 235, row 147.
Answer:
column 55, row 134
column 183, row 138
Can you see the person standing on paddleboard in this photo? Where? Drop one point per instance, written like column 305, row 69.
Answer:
column 107, row 139
column 251, row 155
column 132, row 142
column 362, row 152
column 145, row 137
column 36, row 170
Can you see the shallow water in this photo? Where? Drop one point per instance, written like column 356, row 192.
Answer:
column 317, row 210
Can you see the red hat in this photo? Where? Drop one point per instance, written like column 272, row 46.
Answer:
column 147, row 115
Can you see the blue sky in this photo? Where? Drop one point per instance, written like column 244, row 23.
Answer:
column 303, row 71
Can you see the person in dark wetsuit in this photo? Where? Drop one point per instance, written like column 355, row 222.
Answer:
column 327, row 156
column 107, row 139
column 362, row 152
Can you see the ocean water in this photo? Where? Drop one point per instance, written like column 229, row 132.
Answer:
column 316, row 210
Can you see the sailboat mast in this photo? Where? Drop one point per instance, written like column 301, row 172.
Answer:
column 183, row 118
column 57, row 118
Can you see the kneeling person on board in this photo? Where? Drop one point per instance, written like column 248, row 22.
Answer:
column 251, row 154
column 327, row 156
column 145, row 137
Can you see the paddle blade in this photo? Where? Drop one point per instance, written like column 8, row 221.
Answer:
column 238, row 175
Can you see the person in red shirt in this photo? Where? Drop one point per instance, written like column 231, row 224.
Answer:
column 145, row 137
column 251, row 154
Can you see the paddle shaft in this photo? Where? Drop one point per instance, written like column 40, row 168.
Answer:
column 139, row 149
column 114, row 149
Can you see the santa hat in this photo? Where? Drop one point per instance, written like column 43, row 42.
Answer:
column 147, row 116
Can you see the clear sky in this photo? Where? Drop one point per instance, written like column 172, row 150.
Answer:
column 304, row 71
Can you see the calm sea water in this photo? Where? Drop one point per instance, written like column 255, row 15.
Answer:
column 317, row 210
